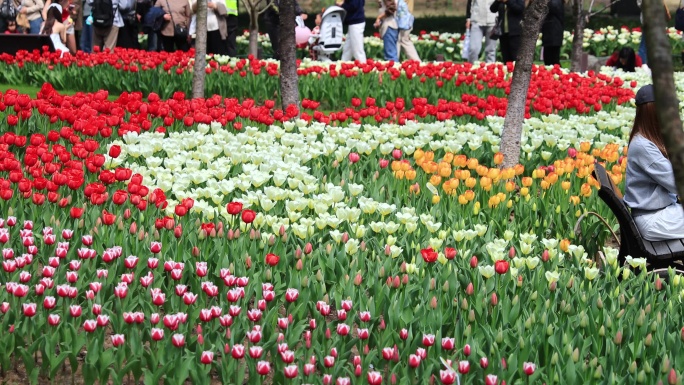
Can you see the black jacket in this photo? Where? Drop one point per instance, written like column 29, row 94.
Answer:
column 552, row 29
column 516, row 8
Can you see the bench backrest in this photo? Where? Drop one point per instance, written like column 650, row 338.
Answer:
column 611, row 195
column 11, row 44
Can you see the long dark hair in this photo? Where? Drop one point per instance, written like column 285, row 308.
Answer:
column 646, row 124
column 53, row 14
column 628, row 54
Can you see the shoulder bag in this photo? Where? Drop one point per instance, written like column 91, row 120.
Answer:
column 178, row 30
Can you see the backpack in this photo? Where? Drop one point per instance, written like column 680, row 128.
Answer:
column 153, row 20
column 403, row 17
column 103, row 13
column 7, row 10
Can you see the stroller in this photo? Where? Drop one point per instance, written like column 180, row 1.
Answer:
column 329, row 39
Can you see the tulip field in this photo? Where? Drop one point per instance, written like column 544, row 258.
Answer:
column 370, row 237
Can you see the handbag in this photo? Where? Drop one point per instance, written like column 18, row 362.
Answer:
column 496, row 33
column 178, row 30
column 679, row 18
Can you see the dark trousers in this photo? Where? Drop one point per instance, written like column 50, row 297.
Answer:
column 509, row 47
column 552, row 55
column 128, row 37
column 173, row 43
column 215, row 44
column 231, row 42
column 273, row 29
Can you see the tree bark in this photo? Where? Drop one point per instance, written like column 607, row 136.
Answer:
column 253, row 10
column 578, row 38
column 667, row 105
column 289, row 86
column 199, row 73
column 520, row 82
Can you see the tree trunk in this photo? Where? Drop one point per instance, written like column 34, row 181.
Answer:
column 520, row 83
column 289, row 87
column 660, row 61
column 254, row 33
column 578, row 38
column 200, row 50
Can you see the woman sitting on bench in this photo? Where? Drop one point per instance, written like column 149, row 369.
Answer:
column 650, row 189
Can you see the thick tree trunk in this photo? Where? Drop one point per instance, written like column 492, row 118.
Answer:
column 200, row 50
column 289, row 87
column 660, row 61
column 520, row 83
column 578, row 38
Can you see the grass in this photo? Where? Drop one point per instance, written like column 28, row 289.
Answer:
column 32, row 91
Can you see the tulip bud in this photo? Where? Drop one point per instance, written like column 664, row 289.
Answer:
column 570, row 282
column 464, row 304
column 473, row 262
column 575, row 355
column 299, row 265
column 494, row 299
column 470, row 289
column 432, row 284
column 648, row 341
column 471, row 315
column 552, row 286
column 133, row 228
column 305, row 281
column 672, row 377
column 666, row 365
column 658, row 284
column 381, row 272
column 319, row 276
column 433, row 302
column 358, row 279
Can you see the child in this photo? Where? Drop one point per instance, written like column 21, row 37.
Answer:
column 313, row 40
column 12, row 27
column 624, row 59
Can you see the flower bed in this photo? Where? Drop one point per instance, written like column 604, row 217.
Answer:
column 333, row 85
column 218, row 239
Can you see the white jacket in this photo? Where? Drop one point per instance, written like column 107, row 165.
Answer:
column 480, row 13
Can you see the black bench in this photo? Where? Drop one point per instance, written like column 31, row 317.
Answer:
column 11, row 44
column 659, row 255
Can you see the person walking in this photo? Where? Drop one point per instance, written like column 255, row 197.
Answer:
column 389, row 31
column 480, row 21
column 231, row 27
column 552, row 32
column 510, row 13
column 356, row 24
column 106, row 22
column 404, row 19
column 86, row 38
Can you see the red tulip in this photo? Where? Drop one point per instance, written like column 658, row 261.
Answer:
column 528, row 368
column 155, row 247
column 450, row 253
column 287, row 356
column 117, row 340
column 463, row 367
column 429, row 255
column 447, row 377
column 491, row 379
column 363, row 334
column 49, row 302
column 291, row 295
column 29, row 309
column 272, row 259
column 238, row 351
column 248, row 216
column 108, row 218
column 414, row 360
column 178, row 340
column 256, row 352
column 157, row 334
column 114, row 151
column 484, row 362
column 428, row 339
column 234, row 208
column 501, row 266
column 263, row 367
column 53, row 319
column 207, row 357
column 291, row 371
column 374, row 378
column 448, row 343
column 466, row 350
column 342, row 329
column 90, row 325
